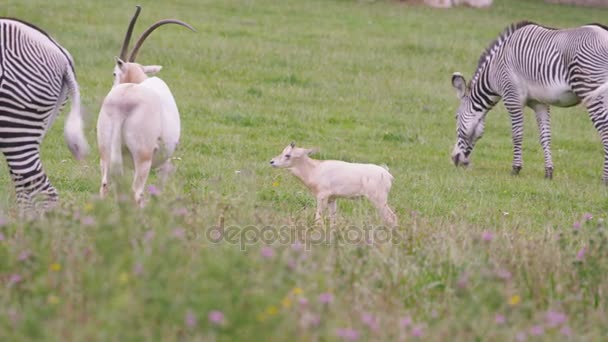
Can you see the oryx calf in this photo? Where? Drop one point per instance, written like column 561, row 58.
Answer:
column 138, row 117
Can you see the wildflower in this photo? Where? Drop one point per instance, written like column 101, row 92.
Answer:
column 138, row 269
column 14, row 316
column 267, row 252
column 272, row 310
column 326, row 298
column 463, row 281
column 348, row 334
column 555, row 318
column 581, row 254
column 52, row 299
column 297, row 291
column 179, row 233
column 297, row 246
column 503, row 274
column 417, row 331
column 487, row 236
column 309, row 320
column 88, row 207
column 537, row 330
column 566, row 331
column 1, row 237
column 216, row 317
column 588, row 216
column 153, row 190
column 514, row 300
column 370, row 321
column 521, row 336
column 55, row 267
column 149, row 235
column 3, row 222
column 123, row 277
column 88, row 221
column 303, row 301
column 286, row 302
column 413, row 213
column 190, row 319
column 576, row 225
column 292, row 264
column 275, row 184
column 500, row 319
column 406, row 321
column 24, row 255
column 14, row 279
column 180, row 211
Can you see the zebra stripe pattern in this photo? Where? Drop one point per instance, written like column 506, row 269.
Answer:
column 535, row 66
column 36, row 75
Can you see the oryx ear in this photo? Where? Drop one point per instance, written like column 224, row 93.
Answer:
column 119, row 62
column 151, row 69
column 460, row 84
column 310, row 151
column 293, row 144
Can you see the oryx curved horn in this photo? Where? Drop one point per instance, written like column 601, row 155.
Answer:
column 125, row 43
column 153, row 27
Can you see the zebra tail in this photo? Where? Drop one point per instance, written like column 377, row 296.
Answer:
column 74, row 131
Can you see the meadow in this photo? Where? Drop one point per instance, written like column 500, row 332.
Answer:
column 228, row 251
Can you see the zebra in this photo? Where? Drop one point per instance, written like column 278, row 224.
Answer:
column 36, row 76
column 535, row 66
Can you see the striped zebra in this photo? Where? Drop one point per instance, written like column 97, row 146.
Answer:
column 36, row 76
column 535, row 66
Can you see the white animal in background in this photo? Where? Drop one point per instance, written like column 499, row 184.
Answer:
column 330, row 179
column 138, row 117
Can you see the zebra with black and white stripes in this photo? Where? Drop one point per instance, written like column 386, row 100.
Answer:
column 535, row 66
column 36, row 77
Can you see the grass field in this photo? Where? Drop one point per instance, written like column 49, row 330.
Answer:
column 479, row 254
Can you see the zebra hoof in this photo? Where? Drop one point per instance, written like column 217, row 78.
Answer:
column 515, row 170
column 549, row 173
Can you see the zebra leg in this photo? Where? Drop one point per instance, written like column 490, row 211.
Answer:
column 515, row 109
column 543, row 119
column 30, row 182
column 598, row 111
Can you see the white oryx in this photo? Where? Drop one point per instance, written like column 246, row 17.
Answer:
column 138, row 117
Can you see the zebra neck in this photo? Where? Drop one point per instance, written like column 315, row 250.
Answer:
column 483, row 93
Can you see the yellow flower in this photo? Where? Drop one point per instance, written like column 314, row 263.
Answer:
column 272, row 310
column 55, row 267
column 286, row 302
column 52, row 299
column 275, row 183
column 88, row 207
column 123, row 278
column 297, row 291
column 514, row 300
column 261, row 317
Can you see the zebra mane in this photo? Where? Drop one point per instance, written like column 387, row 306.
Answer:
column 491, row 49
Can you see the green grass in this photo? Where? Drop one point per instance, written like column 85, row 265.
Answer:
column 361, row 80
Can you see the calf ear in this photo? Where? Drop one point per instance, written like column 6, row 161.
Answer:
column 151, row 69
column 460, row 84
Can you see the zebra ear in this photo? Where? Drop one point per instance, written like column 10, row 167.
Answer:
column 460, row 84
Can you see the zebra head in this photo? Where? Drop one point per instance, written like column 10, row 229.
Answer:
column 126, row 70
column 470, row 119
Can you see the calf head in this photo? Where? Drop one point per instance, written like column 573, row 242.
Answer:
column 290, row 156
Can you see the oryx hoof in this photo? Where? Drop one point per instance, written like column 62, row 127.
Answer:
column 515, row 170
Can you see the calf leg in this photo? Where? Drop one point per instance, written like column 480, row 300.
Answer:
column 333, row 208
column 322, row 201
column 104, row 164
column 165, row 171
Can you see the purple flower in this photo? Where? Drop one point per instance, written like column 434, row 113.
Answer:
column 566, row 331
column 413, row 213
column 555, row 318
column 326, row 298
column 417, row 331
column 500, row 319
column 88, row 221
column 487, row 236
column 1, row 237
column 581, row 254
column 190, row 319
column 370, row 321
column 576, row 225
column 14, row 279
column 24, row 255
column 309, row 320
column 521, row 336
column 179, row 233
column 463, row 281
column 3, row 222
column 180, row 211
column 587, row 216
column 406, row 321
column 216, row 317
column 153, row 190
column 149, row 235
column 303, row 301
column 267, row 252
column 537, row 330
column 297, row 246
column 503, row 274
column 348, row 334
column 138, row 269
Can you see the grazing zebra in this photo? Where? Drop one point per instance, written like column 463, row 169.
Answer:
column 36, row 76
column 535, row 66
